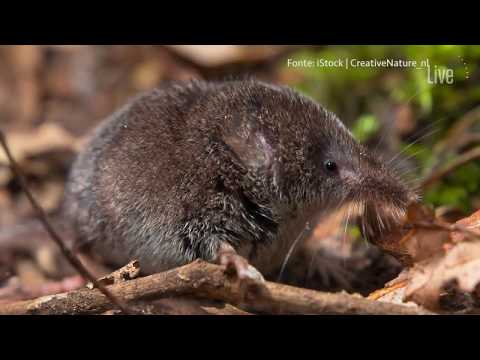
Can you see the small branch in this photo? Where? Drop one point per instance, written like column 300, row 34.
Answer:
column 464, row 158
column 460, row 128
column 468, row 139
column 42, row 216
column 207, row 280
column 456, row 138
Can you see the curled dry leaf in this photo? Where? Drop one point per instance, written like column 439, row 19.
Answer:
column 445, row 268
column 410, row 243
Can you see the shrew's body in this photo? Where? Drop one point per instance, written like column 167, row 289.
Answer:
column 189, row 167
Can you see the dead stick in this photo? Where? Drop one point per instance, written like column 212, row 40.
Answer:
column 207, row 280
column 464, row 158
column 42, row 216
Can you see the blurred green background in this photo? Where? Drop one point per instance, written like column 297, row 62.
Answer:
column 397, row 109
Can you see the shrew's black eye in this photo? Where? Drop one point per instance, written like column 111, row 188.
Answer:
column 330, row 165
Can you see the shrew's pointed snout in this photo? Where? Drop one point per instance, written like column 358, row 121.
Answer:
column 385, row 189
column 375, row 183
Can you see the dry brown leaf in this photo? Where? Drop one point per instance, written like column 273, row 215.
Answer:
column 444, row 271
column 409, row 243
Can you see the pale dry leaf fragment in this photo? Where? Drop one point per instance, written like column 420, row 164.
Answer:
column 43, row 138
column 217, row 55
column 471, row 223
column 429, row 280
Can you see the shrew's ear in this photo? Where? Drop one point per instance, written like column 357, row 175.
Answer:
column 249, row 144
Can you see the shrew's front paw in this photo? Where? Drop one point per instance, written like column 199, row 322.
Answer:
column 250, row 280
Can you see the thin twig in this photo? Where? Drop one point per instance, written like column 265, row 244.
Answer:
column 456, row 138
column 464, row 158
column 455, row 132
column 42, row 216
